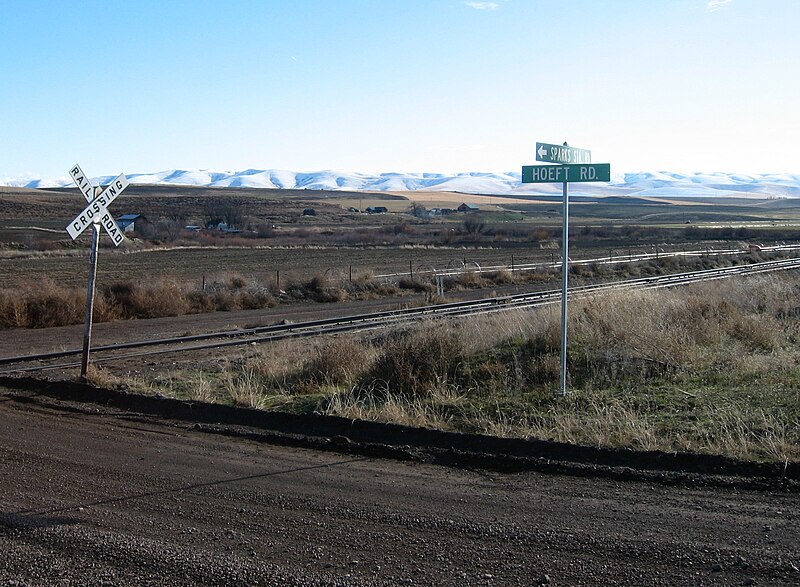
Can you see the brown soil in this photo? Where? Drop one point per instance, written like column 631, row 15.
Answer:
column 102, row 495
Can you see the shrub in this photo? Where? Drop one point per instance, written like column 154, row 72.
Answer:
column 416, row 285
column 320, row 289
column 413, row 361
column 339, row 361
column 500, row 277
column 255, row 299
column 13, row 309
column 469, row 280
column 55, row 306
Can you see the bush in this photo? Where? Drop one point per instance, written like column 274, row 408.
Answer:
column 155, row 300
column 500, row 277
column 339, row 361
column 413, row 361
column 415, row 285
column 53, row 306
column 42, row 306
column 13, row 309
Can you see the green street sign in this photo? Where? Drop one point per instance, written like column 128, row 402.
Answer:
column 560, row 154
column 566, row 173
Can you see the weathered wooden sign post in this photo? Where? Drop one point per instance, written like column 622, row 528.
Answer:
column 572, row 165
column 95, row 214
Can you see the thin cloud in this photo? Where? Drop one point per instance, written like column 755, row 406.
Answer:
column 483, row 5
column 714, row 5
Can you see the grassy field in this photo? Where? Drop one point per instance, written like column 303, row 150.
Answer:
column 710, row 368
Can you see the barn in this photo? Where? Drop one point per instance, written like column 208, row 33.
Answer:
column 128, row 222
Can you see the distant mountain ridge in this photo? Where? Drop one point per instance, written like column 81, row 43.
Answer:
column 646, row 184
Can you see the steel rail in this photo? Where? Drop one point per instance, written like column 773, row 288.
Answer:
column 384, row 319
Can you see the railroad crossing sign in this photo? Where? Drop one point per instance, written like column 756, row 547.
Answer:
column 562, row 154
column 97, row 209
column 95, row 214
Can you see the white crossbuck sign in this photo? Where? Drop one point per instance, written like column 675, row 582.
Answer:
column 97, row 210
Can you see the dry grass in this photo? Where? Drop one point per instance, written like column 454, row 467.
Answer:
column 45, row 304
column 712, row 369
column 340, row 361
column 414, row 361
column 201, row 390
column 380, row 405
column 244, row 388
column 631, row 354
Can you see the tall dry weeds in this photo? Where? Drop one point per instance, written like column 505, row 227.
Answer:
column 413, row 361
column 42, row 305
column 244, row 388
column 340, row 361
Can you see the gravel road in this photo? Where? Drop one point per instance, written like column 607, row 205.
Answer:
column 91, row 495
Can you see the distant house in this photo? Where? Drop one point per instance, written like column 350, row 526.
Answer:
column 129, row 222
column 223, row 227
column 377, row 209
column 309, row 212
column 468, row 207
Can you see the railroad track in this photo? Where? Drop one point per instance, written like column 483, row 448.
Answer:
column 362, row 322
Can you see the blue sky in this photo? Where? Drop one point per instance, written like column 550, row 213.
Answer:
column 397, row 85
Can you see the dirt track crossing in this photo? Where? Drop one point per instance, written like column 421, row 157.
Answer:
column 98, row 495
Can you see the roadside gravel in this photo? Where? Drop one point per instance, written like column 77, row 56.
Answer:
column 104, row 498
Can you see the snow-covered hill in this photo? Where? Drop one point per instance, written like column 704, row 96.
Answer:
column 652, row 184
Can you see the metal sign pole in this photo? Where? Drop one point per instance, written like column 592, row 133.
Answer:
column 87, row 333
column 571, row 165
column 564, row 287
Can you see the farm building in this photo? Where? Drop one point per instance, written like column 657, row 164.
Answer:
column 377, row 209
column 223, row 227
column 130, row 222
column 468, row 207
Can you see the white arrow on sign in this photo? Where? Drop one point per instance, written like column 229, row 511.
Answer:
column 96, row 211
column 542, row 151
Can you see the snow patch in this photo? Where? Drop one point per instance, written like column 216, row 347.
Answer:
column 645, row 183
